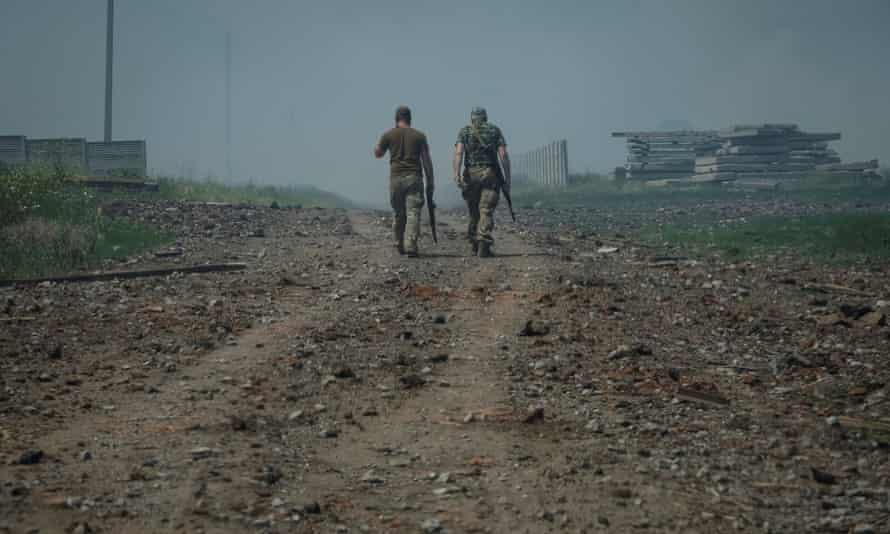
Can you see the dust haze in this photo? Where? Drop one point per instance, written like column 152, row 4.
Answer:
column 314, row 84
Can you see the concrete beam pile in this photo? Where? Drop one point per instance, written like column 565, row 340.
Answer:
column 766, row 150
column 654, row 155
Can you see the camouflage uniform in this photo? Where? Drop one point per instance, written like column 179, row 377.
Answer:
column 481, row 187
column 406, row 147
column 406, row 199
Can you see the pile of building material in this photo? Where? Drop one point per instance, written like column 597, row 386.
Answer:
column 772, row 151
column 662, row 154
column 744, row 152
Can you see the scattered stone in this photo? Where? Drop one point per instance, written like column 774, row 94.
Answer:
column 622, row 493
column 533, row 328
column 371, row 477
column 293, row 416
column 55, row 351
column 311, row 508
column 200, row 453
column 344, row 372
column 823, row 477
column 86, row 456
column 534, row 414
column 411, row 381
column 431, row 526
column 873, row 319
column 626, row 351
column 31, row 457
column 329, row 433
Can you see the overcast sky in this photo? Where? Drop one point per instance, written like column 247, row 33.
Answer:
column 315, row 83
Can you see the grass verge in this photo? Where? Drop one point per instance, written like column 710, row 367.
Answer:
column 600, row 192
column 841, row 238
column 49, row 226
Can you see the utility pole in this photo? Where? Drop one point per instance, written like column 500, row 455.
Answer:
column 229, row 105
column 109, row 68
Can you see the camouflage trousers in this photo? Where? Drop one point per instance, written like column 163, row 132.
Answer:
column 481, row 193
column 406, row 199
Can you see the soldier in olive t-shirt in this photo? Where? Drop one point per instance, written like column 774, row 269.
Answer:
column 409, row 161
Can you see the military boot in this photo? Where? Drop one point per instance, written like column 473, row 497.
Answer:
column 485, row 249
column 474, row 247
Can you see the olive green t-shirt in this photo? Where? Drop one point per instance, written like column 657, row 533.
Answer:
column 405, row 146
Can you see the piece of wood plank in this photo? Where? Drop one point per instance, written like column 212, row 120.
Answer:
column 124, row 275
column 700, row 397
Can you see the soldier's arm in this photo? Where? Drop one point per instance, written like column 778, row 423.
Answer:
column 458, row 159
column 505, row 164
column 427, row 163
column 381, row 146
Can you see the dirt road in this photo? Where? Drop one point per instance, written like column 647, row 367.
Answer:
column 346, row 389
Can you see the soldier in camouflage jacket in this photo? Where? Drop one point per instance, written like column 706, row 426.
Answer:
column 482, row 149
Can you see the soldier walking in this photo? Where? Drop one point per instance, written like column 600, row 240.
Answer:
column 480, row 145
column 409, row 160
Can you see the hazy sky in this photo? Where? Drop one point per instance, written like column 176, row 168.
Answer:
column 315, row 83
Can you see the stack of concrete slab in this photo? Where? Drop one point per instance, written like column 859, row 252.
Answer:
column 666, row 154
column 773, row 150
column 853, row 167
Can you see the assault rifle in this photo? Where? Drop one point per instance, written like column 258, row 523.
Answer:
column 431, row 206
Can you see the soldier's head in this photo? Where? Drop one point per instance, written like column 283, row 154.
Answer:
column 403, row 114
column 478, row 116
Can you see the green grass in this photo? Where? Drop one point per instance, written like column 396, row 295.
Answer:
column 119, row 239
column 842, row 238
column 261, row 195
column 600, row 192
column 49, row 226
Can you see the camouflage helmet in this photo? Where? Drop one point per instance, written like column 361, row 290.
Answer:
column 478, row 115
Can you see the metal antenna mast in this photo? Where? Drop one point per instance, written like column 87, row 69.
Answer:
column 109, row 68
column 229, row 105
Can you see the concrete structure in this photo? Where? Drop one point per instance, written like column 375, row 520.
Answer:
column 13, row 150
column 548, row 165
column 117, row 158
column 69, row 154
column 77, row 157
